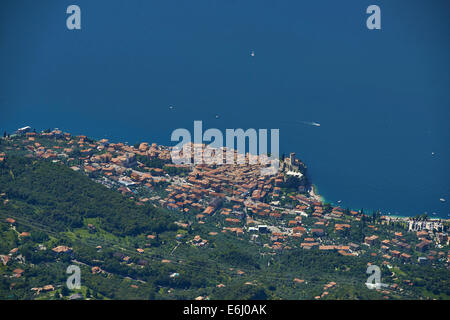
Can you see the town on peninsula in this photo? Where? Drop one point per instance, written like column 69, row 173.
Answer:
column 142, row 227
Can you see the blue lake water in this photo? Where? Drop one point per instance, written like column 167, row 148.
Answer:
column 381, row 96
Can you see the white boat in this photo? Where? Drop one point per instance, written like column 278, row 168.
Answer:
column 442, row 199
column 252, row 53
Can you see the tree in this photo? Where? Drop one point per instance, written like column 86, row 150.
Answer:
column 64, row 291
column 292, row 182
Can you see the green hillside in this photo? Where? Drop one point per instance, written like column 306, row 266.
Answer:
column 58, row 206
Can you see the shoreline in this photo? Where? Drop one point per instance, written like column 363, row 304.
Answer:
column 314, row 193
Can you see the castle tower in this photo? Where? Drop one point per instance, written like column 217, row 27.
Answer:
column 292, row 158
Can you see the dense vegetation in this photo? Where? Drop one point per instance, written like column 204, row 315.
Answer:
column 55, row 195
column 56, row 205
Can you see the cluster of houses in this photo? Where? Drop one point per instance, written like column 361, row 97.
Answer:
column 238, row 193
